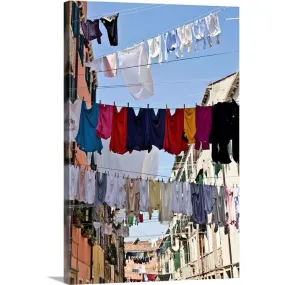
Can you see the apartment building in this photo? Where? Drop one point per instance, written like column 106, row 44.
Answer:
column 203, row 253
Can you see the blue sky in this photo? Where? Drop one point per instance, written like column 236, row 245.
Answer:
column 135, row 27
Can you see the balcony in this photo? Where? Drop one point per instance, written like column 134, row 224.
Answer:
column 207, row 263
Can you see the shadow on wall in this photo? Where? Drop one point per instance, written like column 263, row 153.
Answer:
column 57, row 278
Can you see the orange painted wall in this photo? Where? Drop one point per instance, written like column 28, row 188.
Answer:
column 82, row 91
column 81, row 255
column 81, row 250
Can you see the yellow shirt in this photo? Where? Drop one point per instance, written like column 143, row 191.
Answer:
column 154, row 196
column 190, row 124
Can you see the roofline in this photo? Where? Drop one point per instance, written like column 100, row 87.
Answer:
column 207, row 91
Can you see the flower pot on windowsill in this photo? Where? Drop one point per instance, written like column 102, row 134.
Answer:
column 77, row 216
column 92, row 241
column 86, row 233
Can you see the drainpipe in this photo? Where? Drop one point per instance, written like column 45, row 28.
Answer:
column 229, row 238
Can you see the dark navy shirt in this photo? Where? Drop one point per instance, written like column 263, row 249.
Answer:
column 137, row 130
column 198, row 201
column 156, row 125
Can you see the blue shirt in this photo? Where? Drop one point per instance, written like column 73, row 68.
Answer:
column 198, row 201
column 171, row 41
column 156, row 127
column 137, row 130
column 86, row 138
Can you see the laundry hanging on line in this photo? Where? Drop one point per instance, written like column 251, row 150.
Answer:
column 135, row 61
column 206, row 204
column 217, row 124
column 176, row 40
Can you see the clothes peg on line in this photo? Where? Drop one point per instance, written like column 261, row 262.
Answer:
column 128, row 104
column 100, row 102
column 166, row 107
column 147, row 105
column 184, row 106
column 114, row 103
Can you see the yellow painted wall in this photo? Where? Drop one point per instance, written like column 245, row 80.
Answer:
column 98, row 263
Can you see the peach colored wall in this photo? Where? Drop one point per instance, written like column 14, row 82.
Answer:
column 82, row 89
column 83, row 259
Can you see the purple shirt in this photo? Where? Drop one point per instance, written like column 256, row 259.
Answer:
column 91, row 30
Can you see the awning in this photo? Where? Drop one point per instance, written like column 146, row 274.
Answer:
column 151, row 277
column 164, row 277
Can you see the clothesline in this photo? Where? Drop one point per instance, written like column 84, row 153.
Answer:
column 155, row 108
column 169, row 61
column 216, row 10
column 108, row 168
column 120, row 12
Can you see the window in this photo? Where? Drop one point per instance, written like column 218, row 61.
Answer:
column 186, row 251
column 228, row 274
column 72, row 280
column 135, row 270
column 80, row 282
column 222, row 275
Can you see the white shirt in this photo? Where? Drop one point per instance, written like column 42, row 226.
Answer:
column 177, row 197
column 154, row 49
column 73, row 181
column 89, row 186
column 96, row 64
column 137, row 161
column 74, row 110
column 112, row 190
column 133, row 64
column 213, row 25
column 144, row 198
column 121, row 193
column 185, row 37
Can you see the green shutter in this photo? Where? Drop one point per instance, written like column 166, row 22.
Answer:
column 177, row 260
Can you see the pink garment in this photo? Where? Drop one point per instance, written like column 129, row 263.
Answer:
column 110, row 65
column 203, row 126
column 230, row 204
column 104, row 126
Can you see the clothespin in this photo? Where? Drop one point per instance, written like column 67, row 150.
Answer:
column 108, row 173
column 147, row 105
column 184, row 106
column 166, row 106
column 114, row 103
column 123, row 176
column 100, row 102
column 128, row 104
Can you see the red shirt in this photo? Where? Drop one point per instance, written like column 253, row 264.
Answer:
column 118, row 143
column 174, row 127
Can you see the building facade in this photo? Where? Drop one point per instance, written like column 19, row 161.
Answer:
column 84, row 262
column 141, row 261
column 204, row 253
